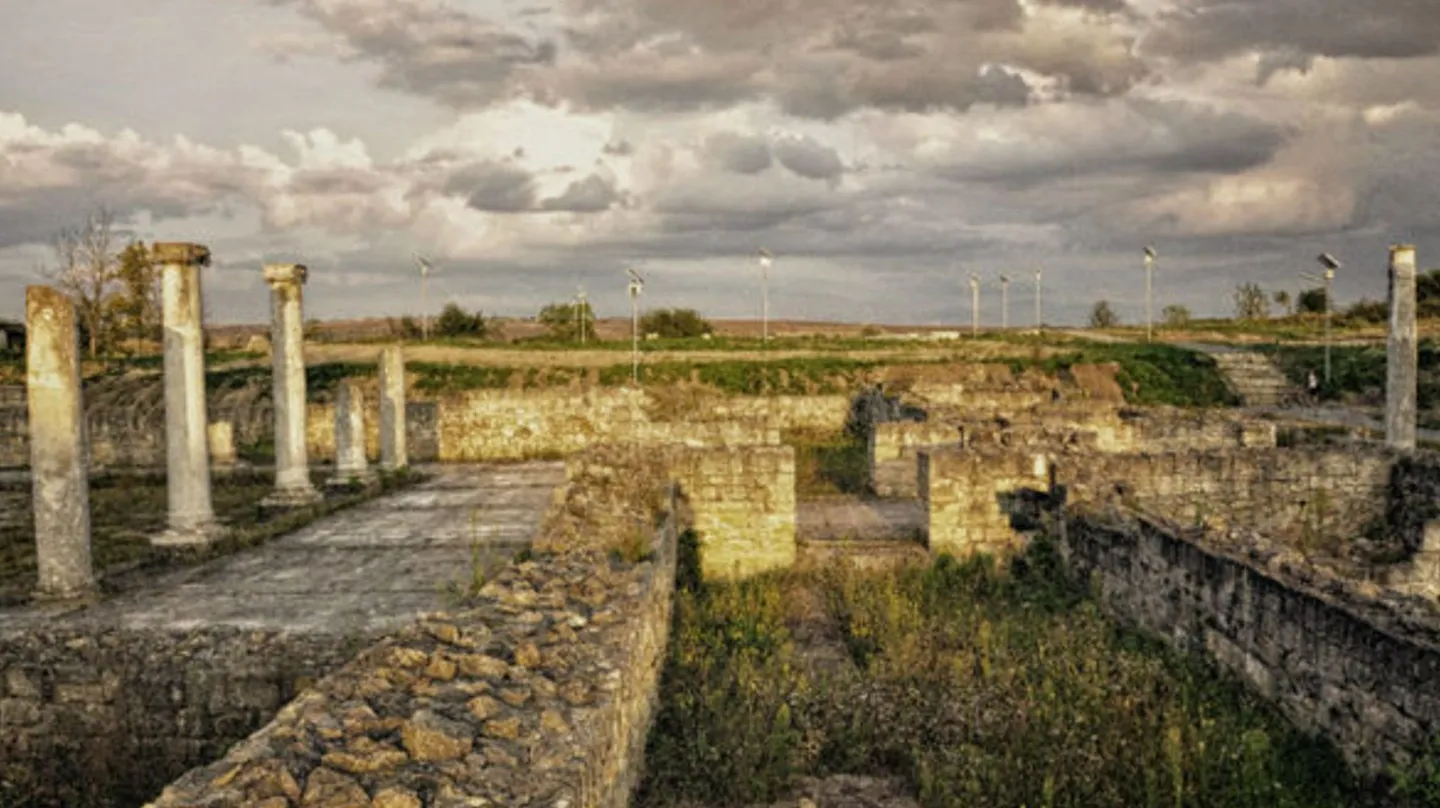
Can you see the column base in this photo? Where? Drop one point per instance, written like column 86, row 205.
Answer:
column 71, row 597
column 191, row 536
column 297, row 497
column 365, row 477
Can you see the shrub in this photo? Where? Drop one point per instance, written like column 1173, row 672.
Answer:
column 456, row 322
column 675, row 323
column 1102, row 316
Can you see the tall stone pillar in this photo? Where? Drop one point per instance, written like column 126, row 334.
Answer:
column 59, row 455
column 287, row 338
column 351, row 464
column 1401, row 354
column 187, row 474
column 392, row 409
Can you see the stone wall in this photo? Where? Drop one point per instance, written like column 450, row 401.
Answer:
column 1063, row 426
column 1308, row 496
column 539, row 692
column 495, row 425
column 743, row 504
column 1301, row 493
column 972, row 498
column 107, row 717
column 1359, row 669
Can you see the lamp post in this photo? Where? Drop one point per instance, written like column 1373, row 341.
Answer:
column 424, row 306
column 1038, row 319
column 1004, row 302
column 636, row 284
column 1149, row 271
column 1331, row 264
column 580, row 313
column 974, row 305
column 766, row 259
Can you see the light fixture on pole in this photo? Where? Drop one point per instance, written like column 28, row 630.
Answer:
column 1331, row 263
column 1149, row 271
column 425, row 267
column 1004, row 302
column 581, row 312
column 636, row 284
column 974, row 305
column 766, row 259
column 1038, row 318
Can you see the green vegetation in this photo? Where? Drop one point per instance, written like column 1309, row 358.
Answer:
column 1251, row 302
column 977, row 689
column 1358, row 371
column 675, row 324
column 1103, row 316
column 456, row 322
column 829, row 464
column 567, row 322
column 1155, row 373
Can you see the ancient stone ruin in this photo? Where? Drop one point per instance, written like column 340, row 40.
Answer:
column 1310, row 571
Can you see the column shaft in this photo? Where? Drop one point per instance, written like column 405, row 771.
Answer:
column 191, row 513
column 393, row 453
column 59, row 455
column 287, row 335
column 1402, row 351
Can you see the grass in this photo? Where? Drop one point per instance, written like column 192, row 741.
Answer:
column 1153, row 373
column 976, row 689
column 127, row 509
column 829, row 465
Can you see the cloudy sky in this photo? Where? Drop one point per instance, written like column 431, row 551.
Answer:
column 882, row 149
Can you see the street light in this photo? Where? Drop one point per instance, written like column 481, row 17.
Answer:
column 1004, row 302
column 1331, row 263
column 974, row 305
column 1149, row 271
column 425, row 267
column 766, row 259
column 1037, row 302
column 636, row 284
column 580, row 312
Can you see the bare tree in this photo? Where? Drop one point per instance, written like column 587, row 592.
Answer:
column 87, row 261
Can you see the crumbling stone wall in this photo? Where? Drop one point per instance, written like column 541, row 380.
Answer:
column 1059, row 427
column 1358, row 668
column 539, row 692
column 106, row 717
column 975, row 496
column 493, row 425
column 1300, row 494
column 742, row 501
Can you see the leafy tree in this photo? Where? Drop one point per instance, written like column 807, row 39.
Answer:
column 1102, row 316
column 1282, row 299
column 1311, row 301
column 1427, row 294
column 1176, row 316
column 1367, row 311
column 675, row 323
column 564, row 321
column 456, row 322
column 135, row 305
column 1251, row 303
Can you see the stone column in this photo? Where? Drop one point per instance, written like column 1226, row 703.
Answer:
column 221, row 435
column 287, row 336
column 392, row 409
column 1401, row 354
column 187, row 474
column 59, row 457
column 350, row 462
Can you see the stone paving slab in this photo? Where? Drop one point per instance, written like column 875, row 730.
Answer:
column 854, row 518
column 368, row 569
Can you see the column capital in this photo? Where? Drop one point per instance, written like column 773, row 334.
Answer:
column 286, row 274
column 180, row 252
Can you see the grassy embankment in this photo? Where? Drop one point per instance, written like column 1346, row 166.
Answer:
column 975, row 688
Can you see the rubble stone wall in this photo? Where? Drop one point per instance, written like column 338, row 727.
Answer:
column 1359, row 669
column 743, row 504
column 107, row 717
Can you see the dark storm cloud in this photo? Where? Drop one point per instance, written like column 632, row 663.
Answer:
column 1378, row 29
column 590, row 195
column 430, row 49
column 809, row 158
column 740, row 154
column 493, row 187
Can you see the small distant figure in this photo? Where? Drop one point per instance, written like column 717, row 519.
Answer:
column 1312, row 384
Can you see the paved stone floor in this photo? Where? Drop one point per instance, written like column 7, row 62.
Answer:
column 855, row 518
column 367, row 569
